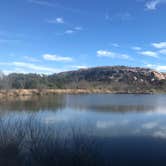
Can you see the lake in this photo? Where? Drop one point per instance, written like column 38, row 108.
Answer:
column 130, row 128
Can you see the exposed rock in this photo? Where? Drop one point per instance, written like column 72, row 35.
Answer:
column 159, row 76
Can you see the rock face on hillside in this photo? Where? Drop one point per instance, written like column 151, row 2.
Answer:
column 116, row 78
column 159, row 76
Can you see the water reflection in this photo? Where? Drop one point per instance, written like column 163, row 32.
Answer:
column 125, row 123
column 108, row 115
column 99, row 103
column 37, row 103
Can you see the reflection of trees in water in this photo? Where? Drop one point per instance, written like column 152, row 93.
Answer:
column 37, row 103
column 123, row 108
column 33, row 143
column 101, row 103
column 122, row 103
column 110, row 103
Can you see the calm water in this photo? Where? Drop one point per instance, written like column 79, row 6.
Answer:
column 132, row 127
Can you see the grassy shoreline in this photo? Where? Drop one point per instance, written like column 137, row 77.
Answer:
column 42, row 92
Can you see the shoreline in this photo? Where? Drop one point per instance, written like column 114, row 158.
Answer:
column 43, row 92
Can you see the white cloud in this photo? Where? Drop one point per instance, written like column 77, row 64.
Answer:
column 160, row 45
column 161, row 68
column 157, row 67
column 58, row 20
column 34, row 67
column 57, row 58
column 106, row 53
column 80, row 67
column 150, row 65
column 125, row 16
column 42, row 2
column 136, row 48
column 23, row 67
column 149, row 53
column 78, row 28
column 69, row 31
column 54, row 4
column 115, row 45
column 152, row 4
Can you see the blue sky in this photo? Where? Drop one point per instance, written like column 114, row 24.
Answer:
column 49, row 36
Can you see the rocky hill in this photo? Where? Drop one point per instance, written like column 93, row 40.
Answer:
column 117, row 78
column 120, row 79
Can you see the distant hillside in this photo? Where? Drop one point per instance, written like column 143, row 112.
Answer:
column 117, row 78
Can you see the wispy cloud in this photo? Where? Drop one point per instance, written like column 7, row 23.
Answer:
column 161, row 67
column 55, row 5
column 4, row 40
column 80, row 67
column 51, row 57
column 150, row 54
column 115, row 45
column 109, row 54
column 69, row 31
column 73, row 30
column 136, row 48
column 157, row 67
column 159, row 45
column 29, row 68
column 125, row 16
column 152, row 4
column 160, row 49
column 42, row 2
column 78, row 28
column 34, row 67
column 58, row 20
